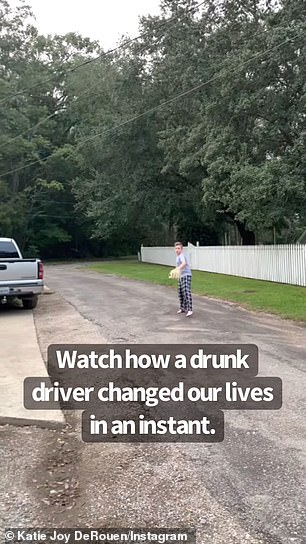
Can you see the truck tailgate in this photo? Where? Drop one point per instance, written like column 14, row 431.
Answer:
column 18, row 269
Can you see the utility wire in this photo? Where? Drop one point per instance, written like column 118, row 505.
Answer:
column 104, row 54
column 89, row 94
column 7, row 142
column 87, row 91
column 165, row 103
column 186, row 93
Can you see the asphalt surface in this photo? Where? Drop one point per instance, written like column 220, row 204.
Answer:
column 250, row 488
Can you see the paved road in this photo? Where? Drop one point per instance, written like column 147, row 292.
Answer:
column 250, row 488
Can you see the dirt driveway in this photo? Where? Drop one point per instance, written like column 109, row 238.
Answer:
column 248, row 489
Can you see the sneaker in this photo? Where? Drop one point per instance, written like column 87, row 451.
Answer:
column 189, row 313
column 181, row 311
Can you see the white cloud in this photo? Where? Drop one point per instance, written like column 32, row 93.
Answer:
column 102, row 20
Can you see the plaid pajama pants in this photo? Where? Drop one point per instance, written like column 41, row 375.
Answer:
column 184, row 293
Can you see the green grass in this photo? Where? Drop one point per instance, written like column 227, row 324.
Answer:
column 287, row 301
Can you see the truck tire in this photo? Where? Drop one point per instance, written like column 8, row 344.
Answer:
column 30, row 303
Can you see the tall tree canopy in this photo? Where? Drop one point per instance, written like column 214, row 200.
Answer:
column 193, row 130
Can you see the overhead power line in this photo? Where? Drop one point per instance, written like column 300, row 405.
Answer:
column 165, row 103
column 104, row 54
column 40, row 122
column 87, row 91
column 186, row 93
column 88, row 94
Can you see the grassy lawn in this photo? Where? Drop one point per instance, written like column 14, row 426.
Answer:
column 286, row 301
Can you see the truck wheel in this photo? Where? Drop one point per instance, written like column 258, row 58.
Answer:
column 30, row 303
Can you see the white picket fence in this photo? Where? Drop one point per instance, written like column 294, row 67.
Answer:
column 279, row 263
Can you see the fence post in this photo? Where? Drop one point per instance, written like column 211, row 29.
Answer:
column 276, row 263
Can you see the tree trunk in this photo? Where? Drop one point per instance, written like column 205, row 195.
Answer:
column 248, row 236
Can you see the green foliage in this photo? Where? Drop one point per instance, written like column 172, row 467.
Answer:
column 89, row 162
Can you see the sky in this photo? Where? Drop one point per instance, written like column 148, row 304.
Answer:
column 102, row 20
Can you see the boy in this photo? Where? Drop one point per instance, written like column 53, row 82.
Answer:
column 184, row 282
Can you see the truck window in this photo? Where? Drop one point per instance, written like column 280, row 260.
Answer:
column 8, row 250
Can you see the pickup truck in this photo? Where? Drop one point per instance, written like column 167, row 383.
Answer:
column 19, row 278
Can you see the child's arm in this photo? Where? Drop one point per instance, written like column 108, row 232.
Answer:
column 183, row 263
